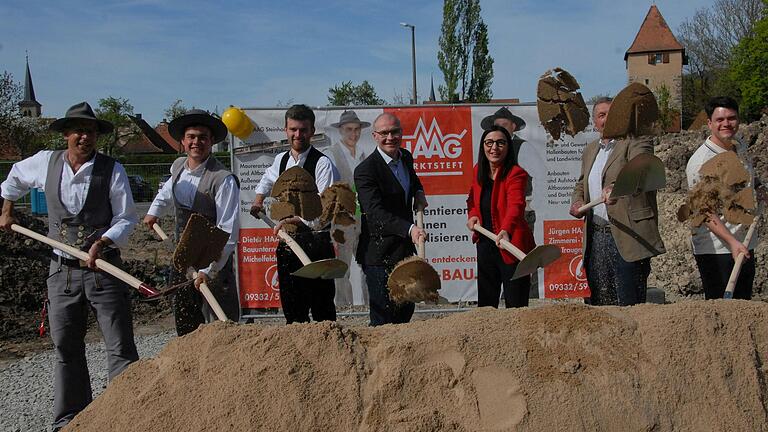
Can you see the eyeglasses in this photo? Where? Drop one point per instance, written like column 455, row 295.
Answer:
column 393, row 132
column 500, row 143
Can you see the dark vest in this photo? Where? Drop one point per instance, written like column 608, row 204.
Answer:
column 94, row 219
column 310, row 163
column 204, row 203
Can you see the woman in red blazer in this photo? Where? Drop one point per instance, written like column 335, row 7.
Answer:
column 497, row 202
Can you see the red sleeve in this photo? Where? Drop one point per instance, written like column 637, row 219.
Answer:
column 514, row 188
column 473, row 208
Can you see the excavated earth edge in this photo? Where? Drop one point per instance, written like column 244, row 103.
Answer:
column 687, row 366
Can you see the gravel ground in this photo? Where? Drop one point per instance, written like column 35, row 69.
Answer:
column 26, row 385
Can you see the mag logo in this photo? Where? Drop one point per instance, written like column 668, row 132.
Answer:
column 440, row 140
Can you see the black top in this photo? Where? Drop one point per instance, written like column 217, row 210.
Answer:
column 310, row 163
column 485, row 208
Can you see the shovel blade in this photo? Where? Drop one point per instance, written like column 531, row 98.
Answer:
column 331, row 268
column 413, row 280
column 644, row 173
column 540, row 256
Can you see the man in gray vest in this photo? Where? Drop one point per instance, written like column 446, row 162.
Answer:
column 346, row 155
column 89, row 207
column 201, row 184
column 298, row 295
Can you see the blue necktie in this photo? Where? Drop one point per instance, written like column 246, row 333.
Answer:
column 399, row 170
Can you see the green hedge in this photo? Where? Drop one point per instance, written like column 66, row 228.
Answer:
column 151, row 158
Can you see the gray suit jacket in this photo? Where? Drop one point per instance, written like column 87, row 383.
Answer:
column 634, row 219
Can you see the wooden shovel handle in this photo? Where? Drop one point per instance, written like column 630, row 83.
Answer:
column 295, row 247
column 212, row 302
column 731, row 287
column 591, row 204
column 420, row 248
column 520, row 255
column 160, row 232
column 83, row 256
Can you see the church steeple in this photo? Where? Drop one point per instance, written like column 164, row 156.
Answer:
column 432, row 89
column 29, row 107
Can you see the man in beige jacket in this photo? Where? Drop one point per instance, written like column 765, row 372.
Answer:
column 621, row 235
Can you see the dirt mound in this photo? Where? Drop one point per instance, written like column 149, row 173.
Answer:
column 23, row 264
column 24, row 267
column 688, row 366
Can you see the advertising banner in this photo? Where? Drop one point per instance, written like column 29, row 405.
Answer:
column 444, row 140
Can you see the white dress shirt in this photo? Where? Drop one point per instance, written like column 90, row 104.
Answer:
column 73, row 190
column 227, row 201
column 325, row 172
column 703, row 240
column 596, row 180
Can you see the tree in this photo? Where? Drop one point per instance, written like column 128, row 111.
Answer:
column 347, row 94
column 463, row 56
column 749, row 70
column 27, row 134
column 116, row 111
column 710, row 37
column 667, row 114
column 176, row 110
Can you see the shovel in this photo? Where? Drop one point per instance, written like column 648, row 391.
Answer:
column 731, row 287
column 199, row 245
column 540, row 256
column 163, row 236
column 329, row 268
column 413, row 279
column 144, row 289
column 644, row 173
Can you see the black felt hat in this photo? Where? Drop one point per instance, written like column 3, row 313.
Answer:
column 196, row 117
column 81, row 111
column 504, row 113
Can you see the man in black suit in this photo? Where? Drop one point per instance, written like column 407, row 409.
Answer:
column 388, row 189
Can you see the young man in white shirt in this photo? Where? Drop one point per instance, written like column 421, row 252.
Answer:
column 299, row 296
column 201, row 184
column 717, row 243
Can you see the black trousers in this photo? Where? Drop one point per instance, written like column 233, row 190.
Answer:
column 493, row 274
column 383, row 309
column 190, row 309
column 299, row 295
column 715, row 269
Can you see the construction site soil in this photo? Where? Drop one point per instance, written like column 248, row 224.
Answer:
column 689, row 366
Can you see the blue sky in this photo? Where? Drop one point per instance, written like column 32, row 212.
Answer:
column 265, row 53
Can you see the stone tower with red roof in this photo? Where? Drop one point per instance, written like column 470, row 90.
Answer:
column 656, row 58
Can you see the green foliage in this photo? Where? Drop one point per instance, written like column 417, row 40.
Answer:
column 28, row 134
column 163, row 158
column 711, row 37
column 749, row 71
column 176, row 110
column 116, row 111
column 463, row 56
column 348, row 94
column 667, row 114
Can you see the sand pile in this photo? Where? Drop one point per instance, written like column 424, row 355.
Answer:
column 688, row 366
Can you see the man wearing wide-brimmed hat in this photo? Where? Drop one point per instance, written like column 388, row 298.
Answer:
column 89, row 207
column 201, row 184
column 347, row 155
